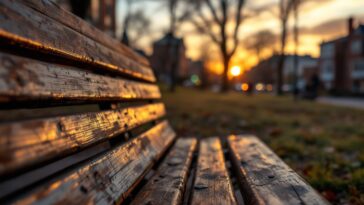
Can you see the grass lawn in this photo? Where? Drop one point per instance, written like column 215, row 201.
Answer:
column 325, row 144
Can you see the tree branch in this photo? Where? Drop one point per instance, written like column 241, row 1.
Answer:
column 223, row 45
column 205, row 21
column 205, row 30
column 213, row 11
column 238, row 20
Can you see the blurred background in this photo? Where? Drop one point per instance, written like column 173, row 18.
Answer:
column 315, row 32
column 290, row 71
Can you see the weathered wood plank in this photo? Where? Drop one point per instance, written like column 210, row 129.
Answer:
column 24, row 79
column 22, row 25
column 109, row 178
column 265, row 178
column 212, row 184
column 30, row 142
column 51, row 9
column 10, row 185
column 168, row 184
column 16, row 114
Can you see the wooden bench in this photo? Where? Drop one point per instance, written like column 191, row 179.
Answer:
column 81, row 121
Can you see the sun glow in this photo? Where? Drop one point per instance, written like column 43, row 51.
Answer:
column 235, row 71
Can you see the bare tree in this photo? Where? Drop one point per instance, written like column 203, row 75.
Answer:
column 296, row 42
column 296, row 8
column 260, row 41
column 125, row 34
column 135, row 23
column 179, row 11
column 219, row 16
column 138, row 25
column 204, row 56
column 285, row 9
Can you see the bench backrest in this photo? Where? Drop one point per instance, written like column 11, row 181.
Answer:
column 76, row 105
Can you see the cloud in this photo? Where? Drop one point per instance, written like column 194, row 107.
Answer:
column 310, row 5
column 333, row 27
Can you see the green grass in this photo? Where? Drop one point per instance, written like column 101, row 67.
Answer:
column 324, row 144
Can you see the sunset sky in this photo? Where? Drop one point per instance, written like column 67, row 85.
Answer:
column 319, row 20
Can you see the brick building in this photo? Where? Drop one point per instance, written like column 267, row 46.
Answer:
column 265, row 72
column 169, row 53
column 341, row 63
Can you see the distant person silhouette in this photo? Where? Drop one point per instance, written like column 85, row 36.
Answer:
column 311, row 89
column 250, row 88
column 315, row 83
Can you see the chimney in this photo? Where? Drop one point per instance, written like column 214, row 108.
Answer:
column 351, row 25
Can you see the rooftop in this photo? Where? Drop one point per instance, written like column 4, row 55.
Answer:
column 358, row 31
column 169, row 39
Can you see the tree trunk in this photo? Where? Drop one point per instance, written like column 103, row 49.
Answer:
column 296, row 41
column 174, row 67
column 172, row 60
column 225, row 80
column 282, row 57
column 280, row 74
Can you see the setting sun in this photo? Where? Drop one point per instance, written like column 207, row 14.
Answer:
column 235, row 71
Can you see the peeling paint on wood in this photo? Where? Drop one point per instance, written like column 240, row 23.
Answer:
column 168, row 184
column 33, row 141
column 266, row 179
column 212, row 184
column 109, row 178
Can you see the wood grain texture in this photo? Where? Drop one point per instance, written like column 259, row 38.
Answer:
column 52, row 10
column 109, row 178
column 168, row 184
column 19, row 24
column 266, row 179
column 24, row 79
column 212, row 184
column 11, row 185
column 30, row 142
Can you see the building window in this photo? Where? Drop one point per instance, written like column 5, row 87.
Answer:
column 327, row 50
column 328, row 67
column 359, row 65
column 356, row 47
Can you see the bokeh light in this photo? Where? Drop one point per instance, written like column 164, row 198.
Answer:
column 259, row 87
column 245, row 87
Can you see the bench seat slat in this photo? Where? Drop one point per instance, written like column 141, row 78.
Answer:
column 29, row 142
column 265, row 178
column 22, row 25
column 51, row 9
column 109, row 178
column 24, row 79
column 168, row 184
column 212, row 184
